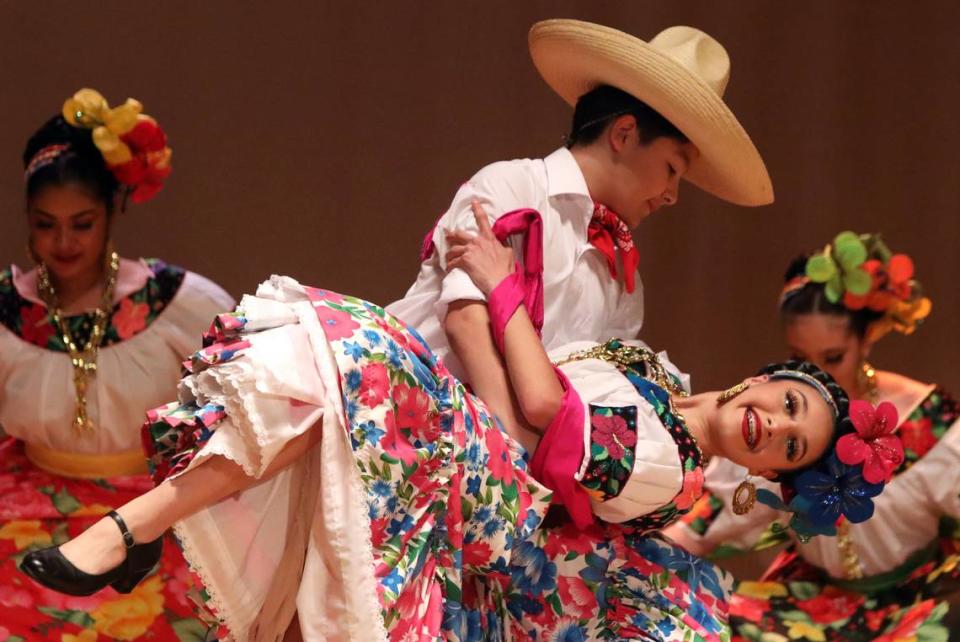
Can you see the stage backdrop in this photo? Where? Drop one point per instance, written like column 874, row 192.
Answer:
column 322, row 139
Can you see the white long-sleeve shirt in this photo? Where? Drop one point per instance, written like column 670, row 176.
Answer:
column 581, row 300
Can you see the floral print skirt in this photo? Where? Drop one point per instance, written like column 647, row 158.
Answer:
column 415, row 518
column 602, row 583
column 37, row 510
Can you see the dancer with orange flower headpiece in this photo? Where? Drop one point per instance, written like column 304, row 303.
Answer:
column 888, row 578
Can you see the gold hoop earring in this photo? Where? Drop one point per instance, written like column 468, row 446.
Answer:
column 730, row 393
column 744, row 497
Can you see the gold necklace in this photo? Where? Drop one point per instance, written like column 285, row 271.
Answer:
column 626, row 357
column 84, row 361
column 852, row 569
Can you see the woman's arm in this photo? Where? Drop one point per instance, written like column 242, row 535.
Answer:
column 467, row 326
column 530, row 373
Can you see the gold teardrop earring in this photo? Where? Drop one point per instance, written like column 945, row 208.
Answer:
column 732, row 392
column 867, row 382
column 744, row 497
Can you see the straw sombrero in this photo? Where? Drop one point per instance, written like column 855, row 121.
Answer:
column 681, row 73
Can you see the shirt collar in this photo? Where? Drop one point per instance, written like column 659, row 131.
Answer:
column 564, row 175
column 131, row 277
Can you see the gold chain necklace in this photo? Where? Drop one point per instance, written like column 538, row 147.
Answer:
column 84, row 361
column 852, row 568
column 626, row 357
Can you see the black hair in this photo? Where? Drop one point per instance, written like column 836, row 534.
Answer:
column 81, row 163
column 842, row 424
column 811, row 299
column 599, row 107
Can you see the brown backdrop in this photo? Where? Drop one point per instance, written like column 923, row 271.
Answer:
column 321, row 140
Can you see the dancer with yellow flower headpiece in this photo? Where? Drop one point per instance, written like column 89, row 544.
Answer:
column 87, row 341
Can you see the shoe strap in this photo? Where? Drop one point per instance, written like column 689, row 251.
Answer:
column 128, row 540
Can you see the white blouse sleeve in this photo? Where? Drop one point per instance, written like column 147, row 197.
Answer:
column 195, row 305
column 501, row 187
column 939, row 472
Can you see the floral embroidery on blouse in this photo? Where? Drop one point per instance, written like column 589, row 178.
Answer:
column 926, row 425
column 613, row 438
column 131, row 316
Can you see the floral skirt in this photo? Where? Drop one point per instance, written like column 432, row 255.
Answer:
column 797, row 602
column 414, row 519
column 38, row 509
column 602, row 583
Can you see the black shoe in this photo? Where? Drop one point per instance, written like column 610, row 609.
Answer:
column 50, row 568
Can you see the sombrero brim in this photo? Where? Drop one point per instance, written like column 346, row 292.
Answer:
column 575, row 57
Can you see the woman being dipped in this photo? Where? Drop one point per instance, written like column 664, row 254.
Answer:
column 88, row 340
column 881, row 580
column 324, row 462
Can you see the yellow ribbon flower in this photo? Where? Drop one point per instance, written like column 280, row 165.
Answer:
column 122, row 119
column 25, row 532
column 114, row 150
column 86, row 635
column 762, row 590
column 902, row 317
column 88, row 109
column 85, row 108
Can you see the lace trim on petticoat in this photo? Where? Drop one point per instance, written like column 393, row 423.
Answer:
column 219, row 608
column 327, row 366
column 222, row 385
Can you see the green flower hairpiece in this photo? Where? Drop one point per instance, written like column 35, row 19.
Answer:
column 840, row 265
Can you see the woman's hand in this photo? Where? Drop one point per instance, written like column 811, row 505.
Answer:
column 485, row 259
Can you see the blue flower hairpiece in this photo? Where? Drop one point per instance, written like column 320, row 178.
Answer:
column 823, row 494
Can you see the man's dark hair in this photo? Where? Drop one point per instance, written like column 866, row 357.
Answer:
column 601, row 106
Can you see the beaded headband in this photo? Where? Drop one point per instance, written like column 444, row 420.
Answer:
column 44, row 157
column 811, row 381
column 793, row 286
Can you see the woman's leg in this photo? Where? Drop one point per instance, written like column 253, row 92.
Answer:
column 100, row 548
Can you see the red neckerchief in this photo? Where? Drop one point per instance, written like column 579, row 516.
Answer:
column 608, row 233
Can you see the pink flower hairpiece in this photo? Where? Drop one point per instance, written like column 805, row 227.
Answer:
column 874, row 443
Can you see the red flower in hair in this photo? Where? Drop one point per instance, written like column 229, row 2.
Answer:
column 146, row 136
column 874, row 443
column 889, row 282
column 150, row 162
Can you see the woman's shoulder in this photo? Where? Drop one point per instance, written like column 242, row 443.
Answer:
column 931, row 412
column 893, row 386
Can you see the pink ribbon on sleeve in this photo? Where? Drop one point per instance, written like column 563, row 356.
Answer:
column 560, row 453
